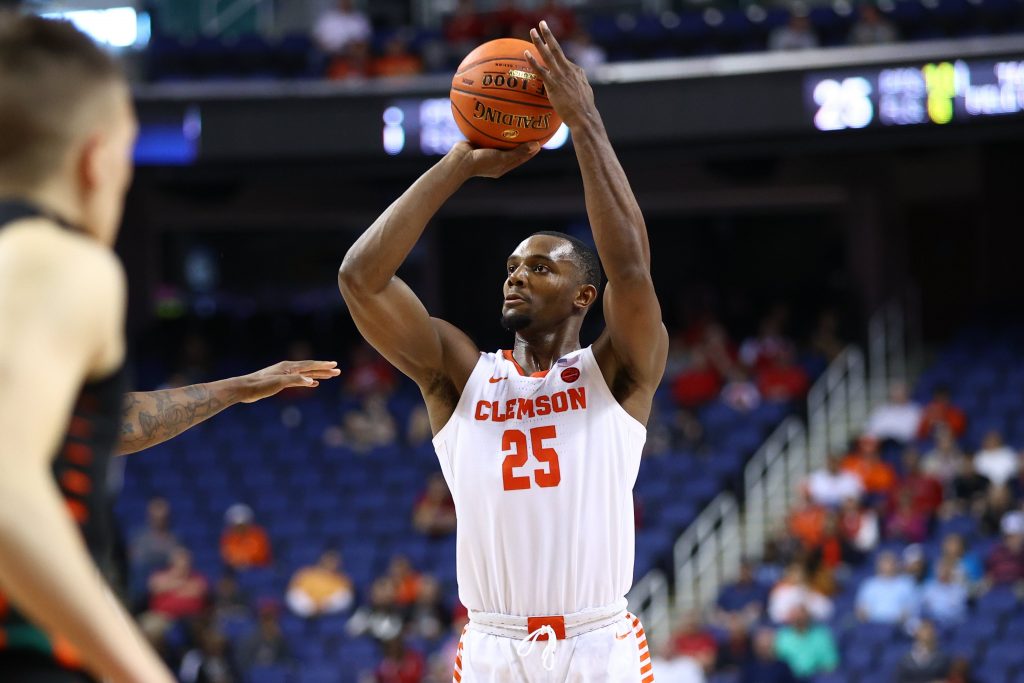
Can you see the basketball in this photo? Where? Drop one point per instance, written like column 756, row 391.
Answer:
column 497, row 99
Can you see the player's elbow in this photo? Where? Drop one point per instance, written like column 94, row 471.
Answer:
column 349, row 280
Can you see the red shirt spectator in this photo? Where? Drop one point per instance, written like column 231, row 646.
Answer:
column 695, row 642
column 807, row 523
column 561, row 20
column 1005, row 564
column 178, row 591
column 925, row 490
column 782, row 380
column 906, row 523
column 434, row 513
column 400, row 664
column 405, row 580
column 464, row 25
column 941, row 411
column 698, row 384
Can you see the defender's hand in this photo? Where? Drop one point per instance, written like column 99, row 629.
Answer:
column 481, row 162
column 567, row 86
column 286, row 374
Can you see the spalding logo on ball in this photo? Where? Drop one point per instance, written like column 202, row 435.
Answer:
column 497, row 99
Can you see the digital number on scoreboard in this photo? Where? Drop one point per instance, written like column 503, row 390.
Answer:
column 933, row 94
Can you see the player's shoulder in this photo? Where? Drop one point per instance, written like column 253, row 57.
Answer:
column 40, row 253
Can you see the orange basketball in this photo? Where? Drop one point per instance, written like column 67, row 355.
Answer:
column 498, row 100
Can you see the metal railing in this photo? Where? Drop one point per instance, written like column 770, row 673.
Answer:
column 894, row 344
column 837, row 405
column 218, row 16
column 770, row 481
column 707, row 551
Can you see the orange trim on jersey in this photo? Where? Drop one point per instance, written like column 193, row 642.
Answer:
column 78, row 453
column 76, row 482
column 80, row 428
column 508, row 356
column 65, row 653
column 556, row 623
column 78, row 510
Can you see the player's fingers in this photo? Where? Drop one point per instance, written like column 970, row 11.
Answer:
column 321, row 374
column 542, row 49
column 535, row 64
column 552, row 43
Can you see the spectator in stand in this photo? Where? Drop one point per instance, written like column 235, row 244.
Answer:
column 400, row 664
column 888, row 597
column 925, row 663
column 743, row 601
column 427, row 618
column 266, row 645
column 967, row 567
column 155, row 629
column 560, row 19
column 968, row 491
column 835, row 550
column 583, row 51
column 915, row 565
column 770, row 345
column 697, row 384
column 945, row 460
column 321, row 588
column 859, row 525
column 992, row 509
column 871, row 28
column 463, row 30
column 765, row 666
column 831, row 486
column 825, row 341
column 178, row 591
column 369, row 374
column 925, row 491
column 406, row 580
column 397, row 59
column 784, row 380
column 1005, row 563
column 695, row 641
column 996, row 461
column 211, row 662
column 877, row 476
column 673, row 669
column 809, row 649
column 734, row 648
column 367, row 427
column 417, row 431
column 229, row 600
column 354, row 64
column 796, row 34
column 897, row 420
column 434, row 513
column 151, row 547
column 381, row 618
column 807, row 522
column 244, row 543
column 508, row 21
column 795, row 591
column 941, row 411
column 943, row 598
column 906, row 523
column 338, row 28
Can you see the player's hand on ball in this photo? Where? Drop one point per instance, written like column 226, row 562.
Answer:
column 286, row 374
column 491, row 163
column 567, row 86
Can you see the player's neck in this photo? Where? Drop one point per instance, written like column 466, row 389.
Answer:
column 538, row 352
column 53, row 199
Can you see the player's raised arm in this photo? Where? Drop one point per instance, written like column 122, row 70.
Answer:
column 635, row 332
column 386, row 311
column 61, row 313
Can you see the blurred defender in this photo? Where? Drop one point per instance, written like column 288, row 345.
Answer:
column 66, row 134
column 540, row 445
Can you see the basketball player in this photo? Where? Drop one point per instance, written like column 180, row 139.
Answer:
column 540, row 444
column 66, row 134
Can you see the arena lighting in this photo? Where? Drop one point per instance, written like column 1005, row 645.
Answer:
column 936, row 93
column 116, row 27
column 428, row 127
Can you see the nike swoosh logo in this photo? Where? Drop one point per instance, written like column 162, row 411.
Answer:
column 495, row 380
column 623, row 636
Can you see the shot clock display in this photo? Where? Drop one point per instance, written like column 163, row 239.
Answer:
column 937, row 93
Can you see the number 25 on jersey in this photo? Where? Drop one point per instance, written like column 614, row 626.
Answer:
column 514, row 444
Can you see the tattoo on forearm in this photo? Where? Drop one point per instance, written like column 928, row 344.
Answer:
column 152, row 417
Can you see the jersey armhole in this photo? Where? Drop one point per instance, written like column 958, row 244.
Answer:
column 634, row 423
column 456, row 414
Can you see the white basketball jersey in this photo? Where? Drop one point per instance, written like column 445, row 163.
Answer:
column 542, row 471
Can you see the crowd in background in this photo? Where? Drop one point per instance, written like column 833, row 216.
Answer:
column 881, row 502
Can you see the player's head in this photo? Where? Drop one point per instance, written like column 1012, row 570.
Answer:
column 551, row 277
column 66, row 123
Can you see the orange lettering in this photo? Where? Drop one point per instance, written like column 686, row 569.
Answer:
column 543, row 405
column 525, row 408
column 560, row 402
column 481, row 413
column 578, row 398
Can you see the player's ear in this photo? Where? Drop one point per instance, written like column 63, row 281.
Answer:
column 585, row 296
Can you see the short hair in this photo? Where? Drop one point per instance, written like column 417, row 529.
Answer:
column 48, row 71
column 583, row 255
